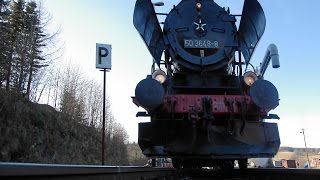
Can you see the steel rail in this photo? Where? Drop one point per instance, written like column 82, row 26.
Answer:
column 254, row 174
column 282, row 173
column 79, row 172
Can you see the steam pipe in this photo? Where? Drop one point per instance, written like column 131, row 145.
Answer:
column 271, row 54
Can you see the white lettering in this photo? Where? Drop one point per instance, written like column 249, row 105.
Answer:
column 200, row 43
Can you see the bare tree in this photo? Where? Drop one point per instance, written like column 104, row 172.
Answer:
column 93, row 103
column 73, row 85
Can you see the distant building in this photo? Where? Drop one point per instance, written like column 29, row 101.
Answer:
column 284, row 163
column 315, row 163
column 277, row 163
column 260, row 163
column 288, row 163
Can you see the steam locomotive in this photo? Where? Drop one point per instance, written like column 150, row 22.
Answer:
column 207, row 103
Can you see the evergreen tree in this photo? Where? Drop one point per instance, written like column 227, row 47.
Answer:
column 16, row 58
column 4, row 38
column 23, row 40
column 37, row 39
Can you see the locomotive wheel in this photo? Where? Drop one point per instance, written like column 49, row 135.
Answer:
column 227, row 165
column 176, row 163
column 192, row 163
column 243, row 163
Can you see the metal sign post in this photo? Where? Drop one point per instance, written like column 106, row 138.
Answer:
column 103, row 61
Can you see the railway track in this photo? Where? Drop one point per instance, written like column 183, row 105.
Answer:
column 253, row 174
column 81, row 172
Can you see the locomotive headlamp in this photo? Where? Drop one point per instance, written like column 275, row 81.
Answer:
column 250, row 77
column 159, row 75
column 198, row 6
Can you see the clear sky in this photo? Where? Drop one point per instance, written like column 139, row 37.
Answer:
column 293, row 25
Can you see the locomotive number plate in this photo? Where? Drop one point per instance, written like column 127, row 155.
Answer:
column 200, row 43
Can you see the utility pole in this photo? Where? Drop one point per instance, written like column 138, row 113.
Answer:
column 305, row 145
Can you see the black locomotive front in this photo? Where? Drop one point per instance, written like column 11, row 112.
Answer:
column 202, row 36
column 205, row 107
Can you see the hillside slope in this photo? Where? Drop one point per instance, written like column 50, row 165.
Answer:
column 31, row 132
